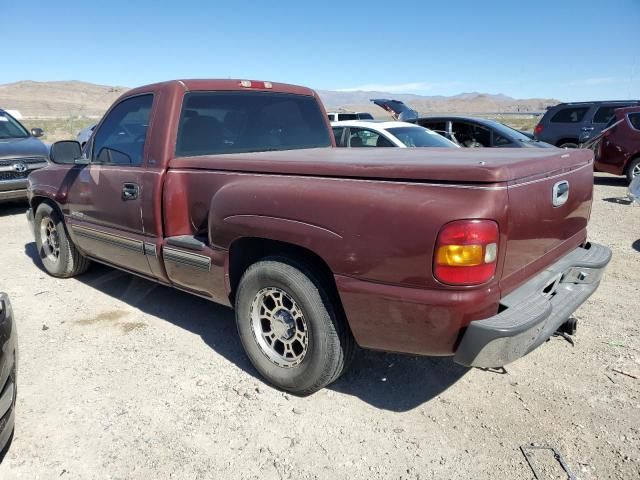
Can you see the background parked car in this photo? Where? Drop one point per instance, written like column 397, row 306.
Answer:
column 480, row 132
column 8, row 344
column 567, row 125
column 21, row 152
column 85, row 134
column 617, row 148
column 341, row 116
column 358, row 133
column 465, row 131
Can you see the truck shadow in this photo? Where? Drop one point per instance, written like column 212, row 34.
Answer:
column 384, row 380
column 610, row 181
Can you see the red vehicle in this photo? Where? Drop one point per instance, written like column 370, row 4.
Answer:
column 617, row 148
column 232, row 190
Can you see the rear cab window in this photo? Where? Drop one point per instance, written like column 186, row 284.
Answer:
column 238, row 122
column 570, row 115
column 634, row 120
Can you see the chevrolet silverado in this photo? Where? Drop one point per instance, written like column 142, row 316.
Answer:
column 232, row 190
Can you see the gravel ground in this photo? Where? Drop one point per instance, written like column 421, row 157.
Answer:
column 120, row 378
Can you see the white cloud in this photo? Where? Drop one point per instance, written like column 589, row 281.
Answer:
column 411, row 87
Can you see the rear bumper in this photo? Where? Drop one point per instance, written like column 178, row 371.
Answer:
column 533, row 312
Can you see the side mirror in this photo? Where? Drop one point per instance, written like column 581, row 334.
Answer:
column 65, row 152
column 37, row 132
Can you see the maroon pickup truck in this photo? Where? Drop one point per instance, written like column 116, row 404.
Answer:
column 232, row 190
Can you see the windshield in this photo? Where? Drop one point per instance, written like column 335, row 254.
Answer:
column 10, row 127
column 511, row 133
column 420, row 137
column 234, row 122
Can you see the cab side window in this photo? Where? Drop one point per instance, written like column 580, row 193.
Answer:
column 121, row 136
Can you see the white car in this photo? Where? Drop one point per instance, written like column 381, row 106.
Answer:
column 358, row 133
column 340, row 116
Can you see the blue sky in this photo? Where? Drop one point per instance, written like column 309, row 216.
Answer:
column 567, row 49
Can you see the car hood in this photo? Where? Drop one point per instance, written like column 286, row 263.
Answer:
column 22, row 147
column 398, row 110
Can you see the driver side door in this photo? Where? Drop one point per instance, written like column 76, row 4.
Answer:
column 105, row 201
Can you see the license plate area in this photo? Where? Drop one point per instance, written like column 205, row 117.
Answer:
column 582, row 275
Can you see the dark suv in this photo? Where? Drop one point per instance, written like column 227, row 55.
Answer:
column 567, row 125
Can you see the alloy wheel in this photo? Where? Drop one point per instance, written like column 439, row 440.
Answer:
column 50, row 239
column 279, row 327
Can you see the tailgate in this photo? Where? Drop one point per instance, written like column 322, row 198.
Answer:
column 547, row 218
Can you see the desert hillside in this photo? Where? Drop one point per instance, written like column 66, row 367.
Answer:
column 58, row 99
column 81, row 99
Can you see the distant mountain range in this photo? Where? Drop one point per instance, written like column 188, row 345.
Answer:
column 471, row 102
column 76, row 99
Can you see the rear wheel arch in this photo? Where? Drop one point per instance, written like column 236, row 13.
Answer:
column 246, row 251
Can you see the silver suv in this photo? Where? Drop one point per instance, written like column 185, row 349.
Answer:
column 21, row 152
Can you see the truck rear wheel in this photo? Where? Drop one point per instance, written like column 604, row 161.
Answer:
column 292, row 332
column 59, row 255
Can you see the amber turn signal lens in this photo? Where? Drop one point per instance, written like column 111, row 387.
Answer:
column 466, row 252
column 460, row 255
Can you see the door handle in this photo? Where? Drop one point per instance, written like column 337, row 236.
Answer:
column 130, row 191
column 588, row 129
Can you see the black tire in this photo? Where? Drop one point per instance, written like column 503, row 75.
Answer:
column 633, row 165
column 569, row 144
column 69, row 261
column 330, row 345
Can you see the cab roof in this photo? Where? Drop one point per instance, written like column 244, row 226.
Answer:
column 230, row 84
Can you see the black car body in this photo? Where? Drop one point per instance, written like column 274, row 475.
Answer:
column 8, row 369
column 465, row 131
column 21, row 152
column 567, row 125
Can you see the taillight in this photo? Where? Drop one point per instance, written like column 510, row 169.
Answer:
column 538, row 129
column 466, row 252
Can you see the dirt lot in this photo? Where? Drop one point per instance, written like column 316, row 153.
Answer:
column 123, row 379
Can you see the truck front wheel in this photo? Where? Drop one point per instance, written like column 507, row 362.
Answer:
column 291, row 330
column 59, row 255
